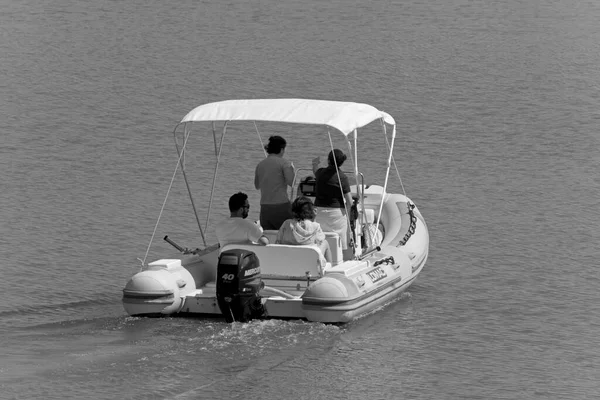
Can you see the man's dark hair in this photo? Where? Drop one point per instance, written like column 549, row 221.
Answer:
column 237, row 201
column 303, row 208
column 276, row 143
column 339, row 155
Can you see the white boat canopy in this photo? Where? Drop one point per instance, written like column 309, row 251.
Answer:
column 343, row 116
column 346, row 117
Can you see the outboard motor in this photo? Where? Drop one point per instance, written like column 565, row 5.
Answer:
column 238, row 284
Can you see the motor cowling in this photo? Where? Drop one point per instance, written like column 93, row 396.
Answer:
column 238, row 285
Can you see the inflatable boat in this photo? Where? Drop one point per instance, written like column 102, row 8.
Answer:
column 240, row 282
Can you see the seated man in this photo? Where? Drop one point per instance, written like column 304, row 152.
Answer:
column 236, row 228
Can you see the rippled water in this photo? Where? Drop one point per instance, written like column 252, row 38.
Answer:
column 498, row 122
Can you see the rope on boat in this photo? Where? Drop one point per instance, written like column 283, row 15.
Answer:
column 165, row 201
column 413, row 224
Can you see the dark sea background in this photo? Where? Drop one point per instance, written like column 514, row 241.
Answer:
column 497, row 108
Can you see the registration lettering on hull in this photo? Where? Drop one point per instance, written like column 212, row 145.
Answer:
column 377, row 274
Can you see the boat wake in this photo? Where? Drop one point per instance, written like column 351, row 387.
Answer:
column 250, row 351
column 34, row 314
column 103, row 299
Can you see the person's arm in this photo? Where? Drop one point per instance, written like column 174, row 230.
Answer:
column 256, row 182
column 255, row 234
column 349, row 202
column 280, row 234
column 315, row 164
column 289, row 173
column 320, row 235
column 346, row 190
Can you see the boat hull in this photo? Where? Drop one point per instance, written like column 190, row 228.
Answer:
column 294, row 286
column 350, row 310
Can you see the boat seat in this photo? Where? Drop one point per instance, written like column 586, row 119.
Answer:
column 335, row 244
column 369, row 215
column 283, row 260
column 373, row 194
column 270, row 234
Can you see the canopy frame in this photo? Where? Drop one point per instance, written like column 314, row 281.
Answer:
column 344, row 117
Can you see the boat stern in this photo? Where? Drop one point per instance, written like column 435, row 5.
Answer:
column 158, row 290
column 329, row 299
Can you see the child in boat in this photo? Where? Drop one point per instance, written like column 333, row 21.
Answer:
column 302, row 229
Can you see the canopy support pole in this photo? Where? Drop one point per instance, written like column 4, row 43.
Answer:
column 262, row 146
column 187, row 184
column 347, row 207
column 387, row 172
column 214, row 182
column 357, row 224
column 394, row 160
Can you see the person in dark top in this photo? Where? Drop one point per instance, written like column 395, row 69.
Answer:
column 333, row 197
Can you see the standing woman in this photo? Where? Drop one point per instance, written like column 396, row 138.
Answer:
column 272, row 177
column 332, row 187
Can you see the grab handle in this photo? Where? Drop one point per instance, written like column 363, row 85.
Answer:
column 368, row 253
column 172, row 243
